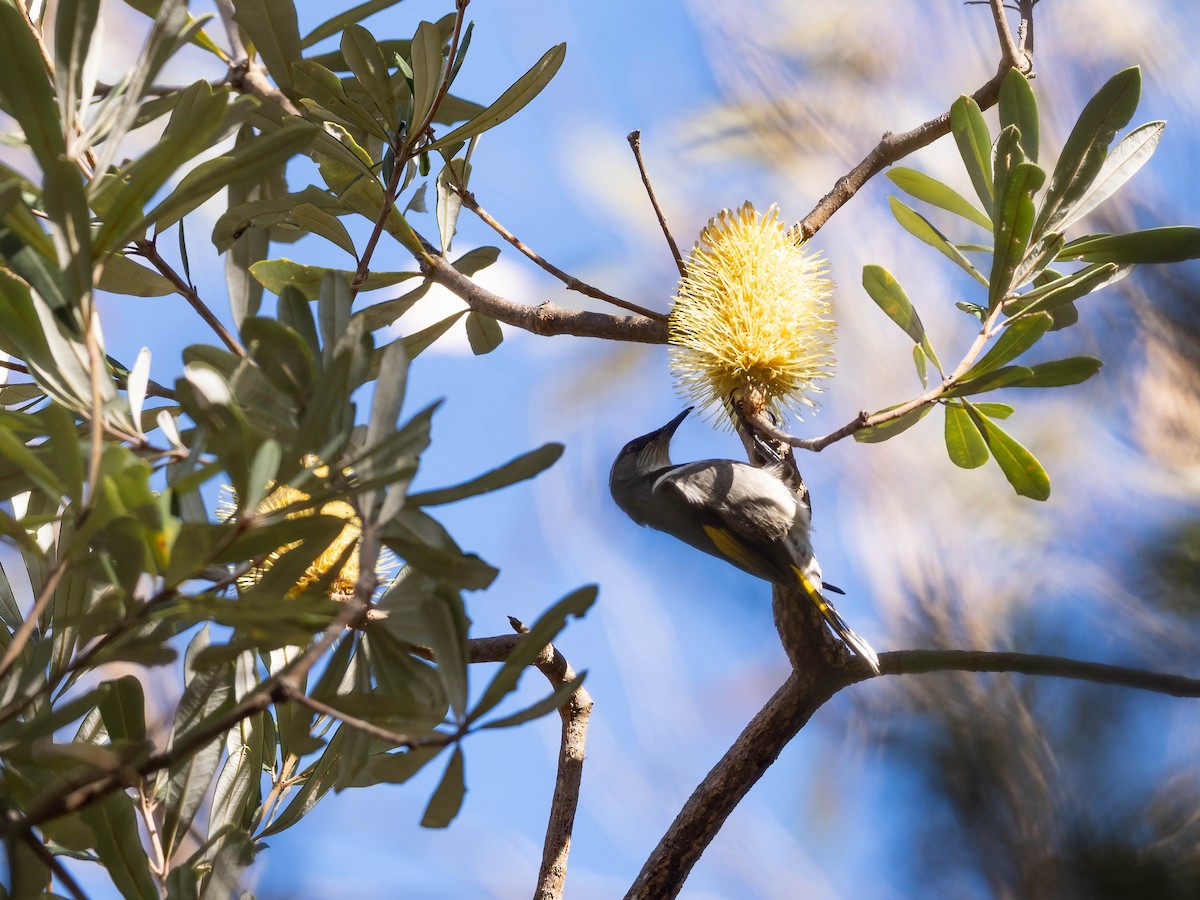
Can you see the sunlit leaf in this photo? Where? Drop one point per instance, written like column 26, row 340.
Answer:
column 924, row 187
column 964, row 443
column 1086, row 148
column 1168, row 244
column 1018, row 107
column 511, row 101
column 974, row 145
column 1019, row 466
column 1131, row 153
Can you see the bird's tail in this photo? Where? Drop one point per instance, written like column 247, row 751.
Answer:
column 860, row 647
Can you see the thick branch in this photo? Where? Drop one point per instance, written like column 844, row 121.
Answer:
column 916, row 662
column 546, row 318
column 805, row 691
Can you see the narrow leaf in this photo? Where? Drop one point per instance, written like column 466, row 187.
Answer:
column 447, row 799
column 924, row 187
column 1168, row 244
column 1016, row 339
column 1014, row 227
column 1018, row 107
column 511, row 101
column 272, row 27
column 890, row 297
column 519, row 469
column 1086, row 148
column 922, row 229
column 877, row 434
column 974, row 145
column 1019, row 466
column 1130, row 154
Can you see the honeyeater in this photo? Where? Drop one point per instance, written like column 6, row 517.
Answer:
column 743, row 514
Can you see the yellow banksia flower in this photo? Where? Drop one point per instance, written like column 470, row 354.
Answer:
column 343, row 583
column 752, row 317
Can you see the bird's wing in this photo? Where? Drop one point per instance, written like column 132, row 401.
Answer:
column 750, row 503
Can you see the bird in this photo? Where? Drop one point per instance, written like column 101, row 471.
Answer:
column 744, row 514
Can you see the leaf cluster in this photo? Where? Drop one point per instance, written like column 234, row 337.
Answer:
column 1024, row 217
column 299, row 676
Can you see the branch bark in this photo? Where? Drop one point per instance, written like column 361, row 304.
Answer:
column 805, row 691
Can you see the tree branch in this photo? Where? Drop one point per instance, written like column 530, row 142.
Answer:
column 894, row 147
column 574, row 713
column 572, row 283
column 805, row 691
column 546, row 318
column 148, row 251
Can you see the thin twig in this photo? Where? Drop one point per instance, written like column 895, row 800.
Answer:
column 149, row 251
column 918, row 662
column 45, row 595
column 572, row 283
column 42, row 852
column 460, row 12
column 295, row 695
column 635, row 144
column 864, row 419
column 894, row 147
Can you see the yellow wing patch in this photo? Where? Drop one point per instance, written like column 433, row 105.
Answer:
column 729, row 546
column 809, row 588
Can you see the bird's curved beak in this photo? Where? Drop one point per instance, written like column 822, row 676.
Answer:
column 669, row 429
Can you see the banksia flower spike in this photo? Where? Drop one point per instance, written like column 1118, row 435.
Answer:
column 752, row 319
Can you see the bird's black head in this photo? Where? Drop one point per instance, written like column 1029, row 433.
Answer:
column 659, row 435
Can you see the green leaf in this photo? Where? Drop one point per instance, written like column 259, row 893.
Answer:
column 530, row 645
column 1168, row 244
column 964, row 442
column 321, row 777
column 426, row 74
column 272, row 27
column 890, row 297
column 123, row 709
column 919, row 360
column 1068, row 289
column 1084, row 153
column 511, row 101
column 1130, row 154
column 1061, row 372
column 1018, row 107
column 1018, row 337
column 1014, row 227
column 119, row 846
column 548, row 704
column 483, row 333
column 325, row 94
column 1008, row 376
column 974, row 145
column 276, row 274
column 74, row 33
column 447, row 799
column 523, row 467
column 417, row 343
column 315, row 220
column 198, row 117
column 264, row 153
column 1019, row 466
column 25, row 91
column 366, row 61
column 449, row 203
column 877, row 434
column 993, row 410
column 332, row 26
column 923, row 187
column 922, row 229
column 121, row 275
column 421, row 541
